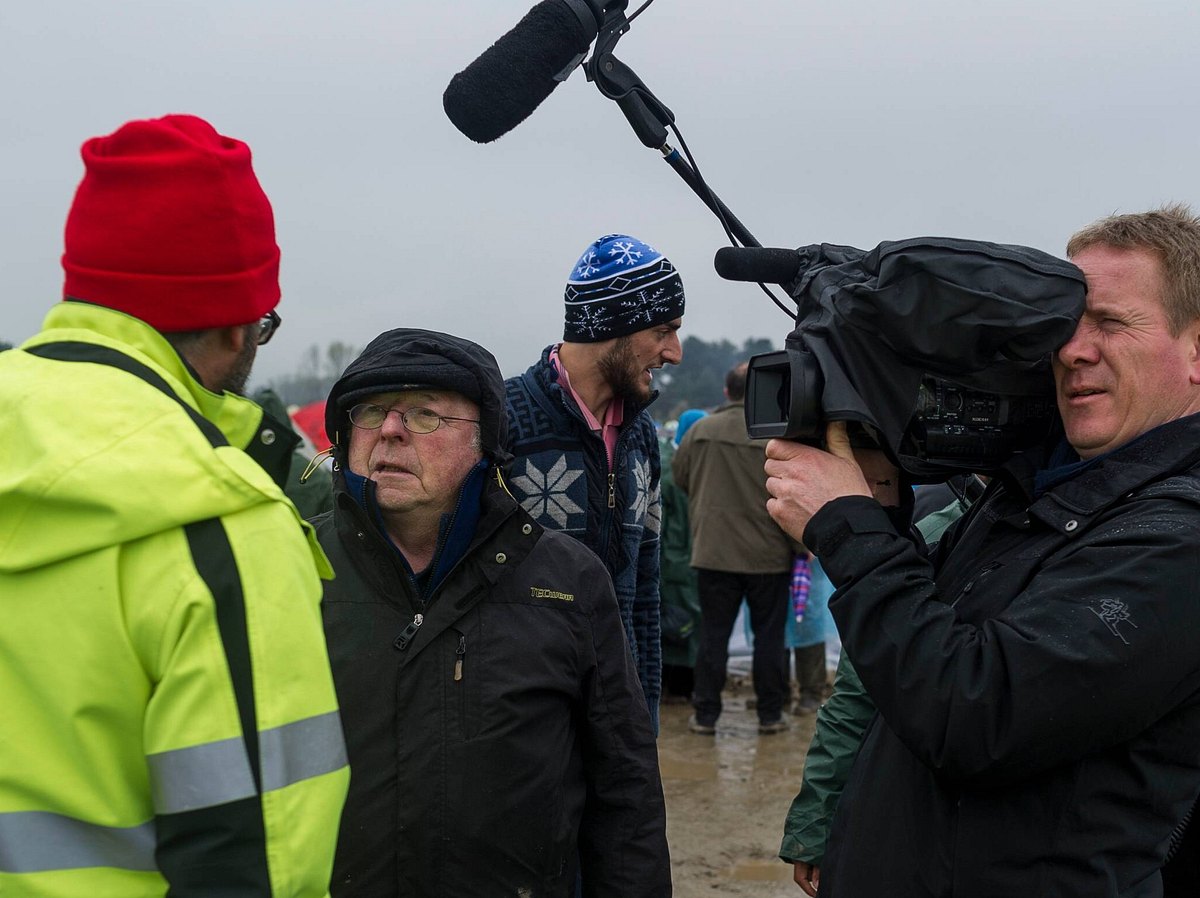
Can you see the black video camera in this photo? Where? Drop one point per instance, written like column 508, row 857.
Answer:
column 934, row 349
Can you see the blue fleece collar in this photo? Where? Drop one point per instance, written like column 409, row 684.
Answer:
column 1065, row 464
column 455, row 530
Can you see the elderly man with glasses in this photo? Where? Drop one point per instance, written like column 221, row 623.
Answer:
column 496, row 728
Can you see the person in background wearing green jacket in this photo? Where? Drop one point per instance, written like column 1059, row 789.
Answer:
column 841, row 722
column 312, row 495
column 170, row 723
column 677, row 578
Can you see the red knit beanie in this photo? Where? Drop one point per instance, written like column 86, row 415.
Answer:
column 170, row 225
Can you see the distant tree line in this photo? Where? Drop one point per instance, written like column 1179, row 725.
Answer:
column 316, row 373
column 696, row 383
column 699, row 382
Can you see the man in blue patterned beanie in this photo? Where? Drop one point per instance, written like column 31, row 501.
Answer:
column 586, row 449
column 618, row 287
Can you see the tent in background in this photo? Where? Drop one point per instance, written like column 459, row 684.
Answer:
column 311, row 421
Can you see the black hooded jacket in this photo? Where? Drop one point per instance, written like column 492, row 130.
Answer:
column 1038, row 683
column 497, row 733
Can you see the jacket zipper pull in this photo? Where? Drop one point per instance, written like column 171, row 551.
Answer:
column 316, row 463
column 410, row 631
column 460, row 652
column 612, row 491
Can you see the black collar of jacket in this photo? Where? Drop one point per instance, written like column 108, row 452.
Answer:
column 504, row 537
column 1171, row 449
column 272, row 447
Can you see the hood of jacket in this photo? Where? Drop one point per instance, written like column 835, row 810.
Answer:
column 95, row 456
column 410, row 358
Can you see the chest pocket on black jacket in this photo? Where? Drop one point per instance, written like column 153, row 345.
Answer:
column 463, row 672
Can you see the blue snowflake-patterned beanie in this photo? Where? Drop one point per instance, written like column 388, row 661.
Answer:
column 620, row 286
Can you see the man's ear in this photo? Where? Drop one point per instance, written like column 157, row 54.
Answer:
column 233, row 338
column 215, row 356
column 1192, row 332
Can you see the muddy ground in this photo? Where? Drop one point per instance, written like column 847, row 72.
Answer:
column 727, row 797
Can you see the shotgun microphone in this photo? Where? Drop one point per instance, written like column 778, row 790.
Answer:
column 510, row 79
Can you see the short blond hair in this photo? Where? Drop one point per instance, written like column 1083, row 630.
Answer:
column 1172, row 235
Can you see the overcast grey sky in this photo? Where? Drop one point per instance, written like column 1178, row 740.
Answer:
column 1014, row 121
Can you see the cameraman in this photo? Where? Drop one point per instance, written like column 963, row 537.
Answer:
column 1037, row 678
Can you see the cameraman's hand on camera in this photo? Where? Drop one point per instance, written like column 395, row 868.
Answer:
column 802, row 479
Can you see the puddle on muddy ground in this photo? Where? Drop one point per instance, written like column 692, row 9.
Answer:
column 762, row 871
column 727, row 796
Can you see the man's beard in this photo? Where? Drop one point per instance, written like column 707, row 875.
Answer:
column 238, row 374
column 620, row 370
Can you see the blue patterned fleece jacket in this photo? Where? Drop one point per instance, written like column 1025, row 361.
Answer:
column 560, row 475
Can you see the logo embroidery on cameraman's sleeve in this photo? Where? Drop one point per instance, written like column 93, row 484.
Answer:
column 1114, row 613
column 539, row 592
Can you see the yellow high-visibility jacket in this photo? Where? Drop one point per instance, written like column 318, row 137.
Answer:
column 167, row 714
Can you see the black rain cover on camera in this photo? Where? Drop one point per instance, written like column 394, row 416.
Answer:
column 985, row 315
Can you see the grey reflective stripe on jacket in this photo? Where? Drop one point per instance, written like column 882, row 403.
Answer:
column 184, row 779
column 215, row 773
column 38, row 841
column 301, row 750
column 200, row 776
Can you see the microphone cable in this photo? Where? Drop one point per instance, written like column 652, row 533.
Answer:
column 713, row 203
column 637, row 12
column 716, row 205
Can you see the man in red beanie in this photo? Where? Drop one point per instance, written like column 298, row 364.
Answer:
column 170, row 719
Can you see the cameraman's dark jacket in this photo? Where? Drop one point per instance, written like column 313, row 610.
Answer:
column 510, row 713
column 1038, row 683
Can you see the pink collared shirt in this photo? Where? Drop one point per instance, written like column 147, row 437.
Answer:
column 614, row 415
